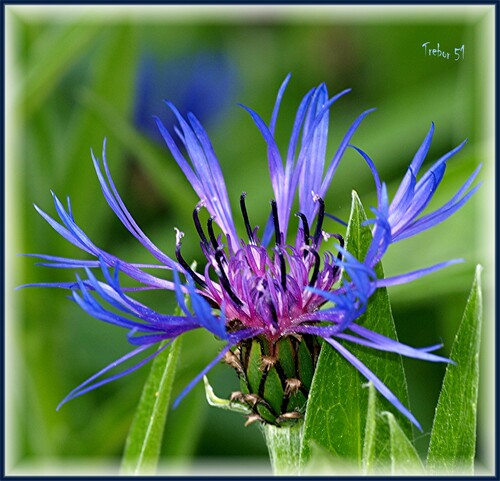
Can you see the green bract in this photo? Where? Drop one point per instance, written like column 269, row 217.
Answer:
column 275, row 378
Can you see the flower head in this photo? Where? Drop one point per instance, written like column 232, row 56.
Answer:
column 264, row 294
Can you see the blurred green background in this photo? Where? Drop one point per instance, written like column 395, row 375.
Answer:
column 77, row 79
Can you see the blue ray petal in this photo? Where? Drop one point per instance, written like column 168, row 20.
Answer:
column 379, row 385
column 86, row 386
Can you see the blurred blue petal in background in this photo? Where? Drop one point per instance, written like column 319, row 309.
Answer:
column 205, row 82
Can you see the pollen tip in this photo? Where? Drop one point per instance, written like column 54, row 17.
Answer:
column 292, row 386
column 236, row 396
column 232, row 360
column 252, row 419
column 178, row 236
column 251, row 399
column 267, row 363
column 289, row 416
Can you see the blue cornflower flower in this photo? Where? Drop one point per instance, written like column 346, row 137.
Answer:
column 261, row 302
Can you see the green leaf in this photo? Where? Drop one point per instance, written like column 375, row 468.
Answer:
column 404, row 457
column 56, row 51
column 218, row 402
column 337, row 406
column 370, row 430
column 183, row 432
column 322, row 463
column 142, row 448
column 453, row 438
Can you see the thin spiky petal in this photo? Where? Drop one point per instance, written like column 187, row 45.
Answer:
column 379, row 385
column 411, row 276
column 87, row 385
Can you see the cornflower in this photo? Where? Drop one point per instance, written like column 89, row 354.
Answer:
column 263, row 296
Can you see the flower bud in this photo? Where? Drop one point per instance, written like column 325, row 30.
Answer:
column 275, row 377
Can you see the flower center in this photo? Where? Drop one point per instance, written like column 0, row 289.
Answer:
column 260, row 288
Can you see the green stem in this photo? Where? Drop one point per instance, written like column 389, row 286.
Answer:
column 284, row 445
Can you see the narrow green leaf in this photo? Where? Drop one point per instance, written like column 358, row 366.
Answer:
column 453, row 436
column 56, row 51
column 337, row 406
column 184, row 428
column 218, row 402
column 370, row 430
column 404, row 457
column 142, row 448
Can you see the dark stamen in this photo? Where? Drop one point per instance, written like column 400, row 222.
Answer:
column 245, row 217
column 211, row 233
column 188, row 269
column 316, row 266
column 197, row 224
column 305, row 227
column 219, row 257
column 274, row 315
column 319, row 222
column 339, row 255
column 277, row 233
column 282, row 266
column 341, row 242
